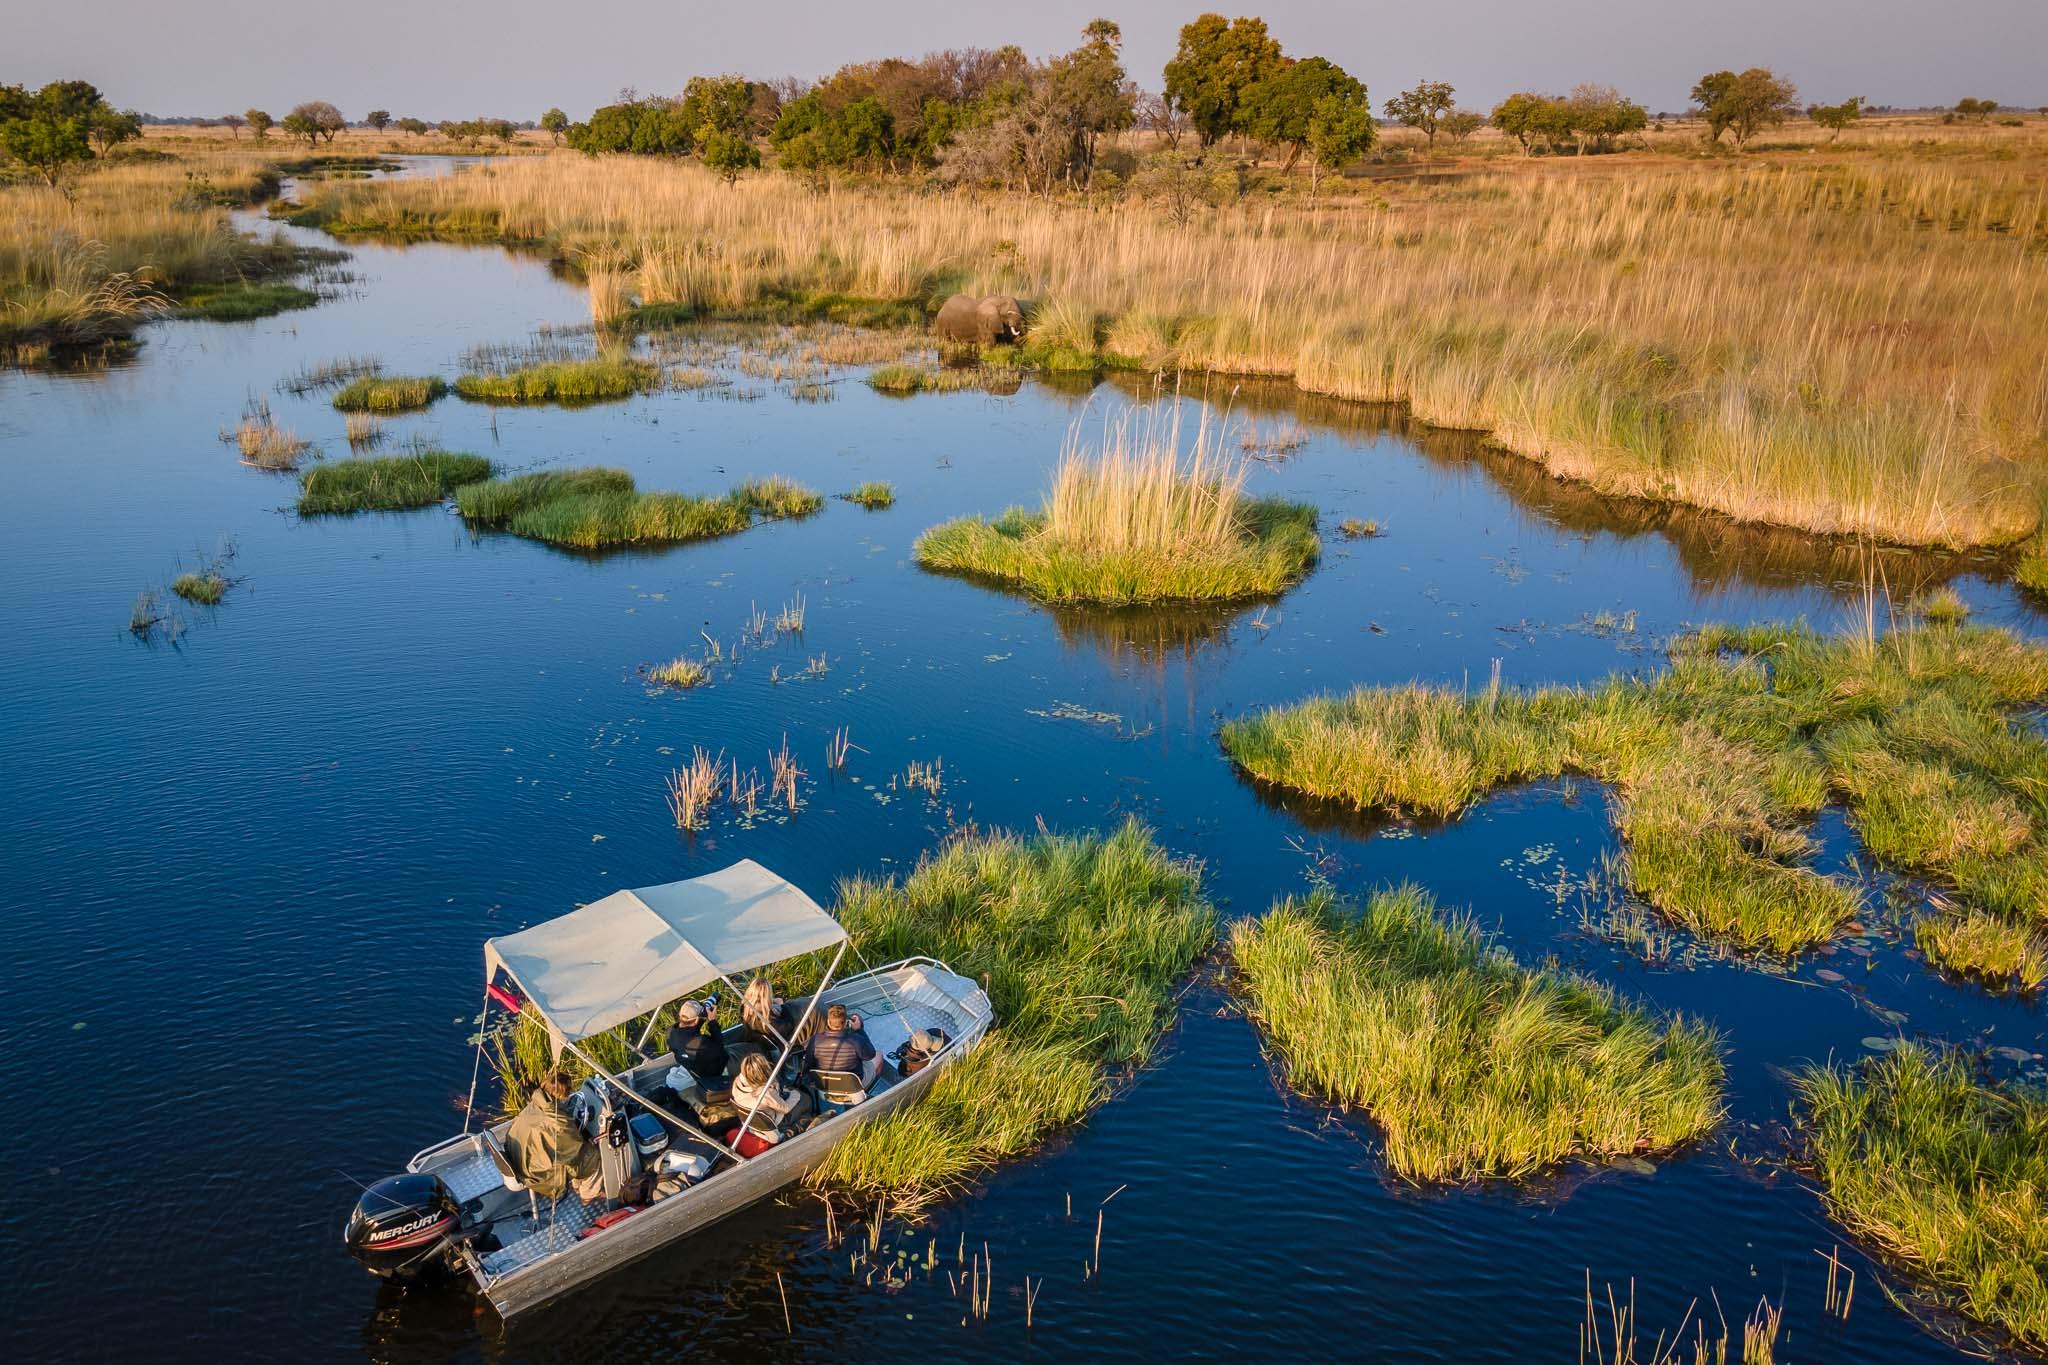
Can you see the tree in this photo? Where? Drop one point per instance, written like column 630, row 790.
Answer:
column 730, row 154
column 1462, row 123
column 233, row 123
column 1423, row 107
column 1598, row 114
column 52, row 130
column 651, row 127
column 718, row 104
column 1836, row 117
column 109, row 127
column 1218, row 60
column 314, row 120
column 1742, row 104
column 416, row 126
column 554, row 122
column 1281, row 107
column 380, row 119
column 1521, row 116
column 1975, row 110
column 1339, row 130
column 1163, row 117
column 260, row 122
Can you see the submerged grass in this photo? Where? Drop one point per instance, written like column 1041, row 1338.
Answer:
column 1136, row 522
column 390, row 393
column 1471, row 1064
column 1079, row 940
column 563, row 381
column 1720, row 762
column 599, row 508
column 388, row 482
column 1944, row 1172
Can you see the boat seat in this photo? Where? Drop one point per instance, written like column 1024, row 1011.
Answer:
column 506, row 1172
column 839, row 1087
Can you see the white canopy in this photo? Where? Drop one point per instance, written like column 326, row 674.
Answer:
column 635, row 951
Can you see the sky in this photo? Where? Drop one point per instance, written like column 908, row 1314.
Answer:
column 439, row 59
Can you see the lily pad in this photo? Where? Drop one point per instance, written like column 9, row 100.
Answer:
column 1830, row 976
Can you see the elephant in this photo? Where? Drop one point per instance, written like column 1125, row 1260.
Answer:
column 970, row 321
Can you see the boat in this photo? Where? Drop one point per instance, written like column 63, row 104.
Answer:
column 462, row 1207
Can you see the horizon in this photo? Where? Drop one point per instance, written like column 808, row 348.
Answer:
column 1925, row 59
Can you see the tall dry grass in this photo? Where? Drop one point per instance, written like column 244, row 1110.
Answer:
column 1845, row 345
column 1137, row 493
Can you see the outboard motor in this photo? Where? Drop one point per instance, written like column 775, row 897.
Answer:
column 403, row 1226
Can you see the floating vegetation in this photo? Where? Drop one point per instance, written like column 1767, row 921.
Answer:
column 243, row 300
column 1282, row 438
column 563, row 381
column 1944, row 1172
column 599, row 508
column 680, row 672
column 390, row 393
column 692, row 377
column 1722, row 761
column 1135, row 523
column 388, row 482
column 783, row 775
column 262, row 442
column 1357, row 528
column 205, row 587
column 1079, row 939
column 873, row 495
column 1471, row 1064
column 146, row 614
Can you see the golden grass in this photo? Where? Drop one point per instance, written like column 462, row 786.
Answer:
column 1844, row 344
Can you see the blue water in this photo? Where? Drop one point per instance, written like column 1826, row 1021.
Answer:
column 249, row 871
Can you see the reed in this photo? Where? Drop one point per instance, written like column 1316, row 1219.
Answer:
column 1471, row 1064
column 1134, row 521
column 1719, row 764
column 783, row 775
column 388, row 482
column 873, row 495
column 364, row 430
column 563, row 381
column 693, row 789
column 1783, row 342
column 790, row 620
column 1079, row 940
column 1943, row 1172
column 680, row 672
column 205, row 587
column 262, row 442
column 390, row 393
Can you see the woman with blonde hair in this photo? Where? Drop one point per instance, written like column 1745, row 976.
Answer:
column 767, row 1023
column 778, row 1103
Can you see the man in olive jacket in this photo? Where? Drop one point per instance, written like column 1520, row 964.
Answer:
column 549, row 1149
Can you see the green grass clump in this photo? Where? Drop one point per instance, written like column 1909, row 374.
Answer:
column 1943, row 1172
column 389, row 482
column 1472, row 1065
column 2031, row 572
column 390, row 393
column 680, row 672
column 905, row 378
column 206, row 588
column 599, row 508
column 873, row 495
column 1080, row 940
column 242, row 300
column 563, row 381
column 1721, row 762
column 1274, row 547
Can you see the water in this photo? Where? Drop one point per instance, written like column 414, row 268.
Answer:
column 250, row 871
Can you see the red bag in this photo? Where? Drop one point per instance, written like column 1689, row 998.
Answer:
column 606, row 1220
column 752, row 1144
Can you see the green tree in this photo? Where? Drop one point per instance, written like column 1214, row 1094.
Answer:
column 260, row 122
column 1216, row 63
column 416, row 126
column 1282, row 107
column 650, row 127
column 46, row 143
column 717, row 104
column 1520, row 116
column 1339, row 130
column 554, row 123
column 109, row 127
column 380, row 119
column 1599, row 114
column 1836, row 117
column 1744, row 103
column 1462, row 123
column 1975, row 110
column 730, row 154
column 1424, row 107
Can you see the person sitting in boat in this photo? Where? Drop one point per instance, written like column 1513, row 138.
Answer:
column 766, row 1022
column 548, row 1147
column 843, row 1045
column 698, row 1045
column 780, row 1105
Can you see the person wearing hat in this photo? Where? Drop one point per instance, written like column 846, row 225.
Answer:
column 549, row 1149
column 698, row 1044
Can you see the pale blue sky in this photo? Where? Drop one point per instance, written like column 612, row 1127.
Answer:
column 516, row 57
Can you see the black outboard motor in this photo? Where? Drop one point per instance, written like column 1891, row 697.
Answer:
column 403, row 1227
